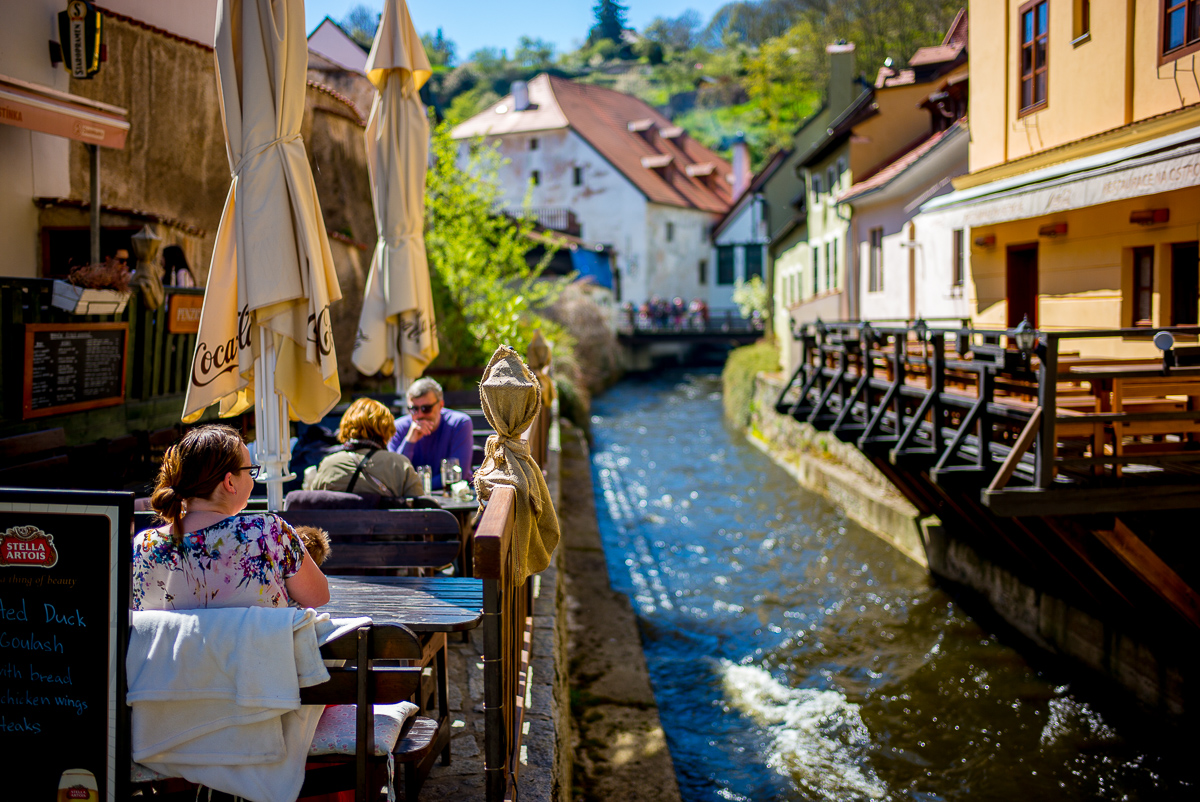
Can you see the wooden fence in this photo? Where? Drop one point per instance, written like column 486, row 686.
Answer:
column 1040, row 431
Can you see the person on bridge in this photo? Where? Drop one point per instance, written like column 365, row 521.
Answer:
column 431, row 433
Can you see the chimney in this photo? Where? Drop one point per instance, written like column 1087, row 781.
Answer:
column 520, row 93
column 741, row 165
column 841, row 77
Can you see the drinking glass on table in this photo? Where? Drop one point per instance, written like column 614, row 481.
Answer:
column 449, row 466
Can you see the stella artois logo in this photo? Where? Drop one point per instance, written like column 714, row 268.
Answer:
column 27, row 546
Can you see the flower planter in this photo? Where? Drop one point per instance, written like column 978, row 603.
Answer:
column 82, row 301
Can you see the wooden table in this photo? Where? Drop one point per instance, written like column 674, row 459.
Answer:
column 423, row 604
column 430, row 606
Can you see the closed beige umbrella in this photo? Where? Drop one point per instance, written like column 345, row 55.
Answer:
column 397, row 332
column 264, row 335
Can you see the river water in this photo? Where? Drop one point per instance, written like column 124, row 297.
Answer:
column 797, row 657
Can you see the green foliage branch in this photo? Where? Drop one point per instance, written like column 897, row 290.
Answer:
column 485, row 291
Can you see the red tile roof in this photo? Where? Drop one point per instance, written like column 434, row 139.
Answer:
column 896, row 166
column 602, row 117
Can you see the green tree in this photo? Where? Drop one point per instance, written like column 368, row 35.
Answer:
column 439, row 49
column 534, row 53
column 610, row 21
column 485, row 291
column 361, row 22
column 678, row 34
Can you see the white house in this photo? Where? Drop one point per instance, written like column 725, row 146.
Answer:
column 608, row 168
column 740, row 238
column 910, row 265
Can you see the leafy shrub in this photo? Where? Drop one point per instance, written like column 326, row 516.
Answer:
column 737, row 379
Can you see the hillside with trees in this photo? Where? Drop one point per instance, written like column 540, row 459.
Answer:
column 757, row 66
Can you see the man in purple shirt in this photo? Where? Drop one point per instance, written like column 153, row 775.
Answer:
column 431, row 433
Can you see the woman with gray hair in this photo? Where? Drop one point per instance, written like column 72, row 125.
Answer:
column 430, row 433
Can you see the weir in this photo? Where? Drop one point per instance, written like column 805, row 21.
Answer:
column 1061, row 488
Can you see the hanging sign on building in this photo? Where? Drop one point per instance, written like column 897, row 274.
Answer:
column 79, row 31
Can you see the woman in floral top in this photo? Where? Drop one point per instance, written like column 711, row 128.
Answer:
column 208, row 555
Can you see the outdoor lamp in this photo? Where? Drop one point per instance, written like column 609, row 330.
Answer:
column 1025, row 336
column 145, row 245
column 1166, row 343
column 921, row 328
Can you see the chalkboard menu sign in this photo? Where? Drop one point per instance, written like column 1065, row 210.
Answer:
column 64, row 621
column 73, row 366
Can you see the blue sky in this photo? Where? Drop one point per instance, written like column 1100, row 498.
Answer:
column 472, row 24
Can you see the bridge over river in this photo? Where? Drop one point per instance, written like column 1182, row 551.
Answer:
column 795, row 656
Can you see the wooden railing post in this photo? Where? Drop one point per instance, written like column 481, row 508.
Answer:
column 900, row 355
column 1048, row 400
column 937, row 341
column 493, row 564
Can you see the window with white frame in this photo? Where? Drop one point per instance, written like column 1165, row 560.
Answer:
column 816, row 268
column 958, row 276
column 875, row 260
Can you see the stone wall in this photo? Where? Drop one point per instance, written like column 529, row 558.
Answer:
column 174, row 165
column 839, row 471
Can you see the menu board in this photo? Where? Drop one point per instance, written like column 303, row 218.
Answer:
column 64, row 620
column 73, row 366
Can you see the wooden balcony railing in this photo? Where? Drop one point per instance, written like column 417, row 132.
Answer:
column 1044, row 431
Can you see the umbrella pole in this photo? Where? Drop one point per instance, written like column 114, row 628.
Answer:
column 270, row 418
column 402, row 381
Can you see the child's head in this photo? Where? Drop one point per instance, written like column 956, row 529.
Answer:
column 316, row 540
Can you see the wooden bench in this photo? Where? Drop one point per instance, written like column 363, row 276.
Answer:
column 35, row 459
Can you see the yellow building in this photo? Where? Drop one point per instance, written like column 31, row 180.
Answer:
column 1083, row 196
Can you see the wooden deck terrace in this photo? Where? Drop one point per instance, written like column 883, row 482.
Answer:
column 1044, row 432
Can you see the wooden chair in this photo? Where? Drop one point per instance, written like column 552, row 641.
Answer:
column 375, row 665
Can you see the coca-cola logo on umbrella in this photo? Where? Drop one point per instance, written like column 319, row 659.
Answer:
column 27, row 546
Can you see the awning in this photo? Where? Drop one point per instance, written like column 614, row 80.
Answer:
column 1148, row 168
column 40, row 108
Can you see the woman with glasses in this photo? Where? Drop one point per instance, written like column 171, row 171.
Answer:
column 206, row 554
column 364, row 465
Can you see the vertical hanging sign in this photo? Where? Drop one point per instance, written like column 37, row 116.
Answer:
column 79, row 30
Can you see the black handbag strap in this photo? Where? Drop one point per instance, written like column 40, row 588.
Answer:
column 358, row 471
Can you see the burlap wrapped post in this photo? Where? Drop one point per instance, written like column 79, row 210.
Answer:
column 511, row 397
